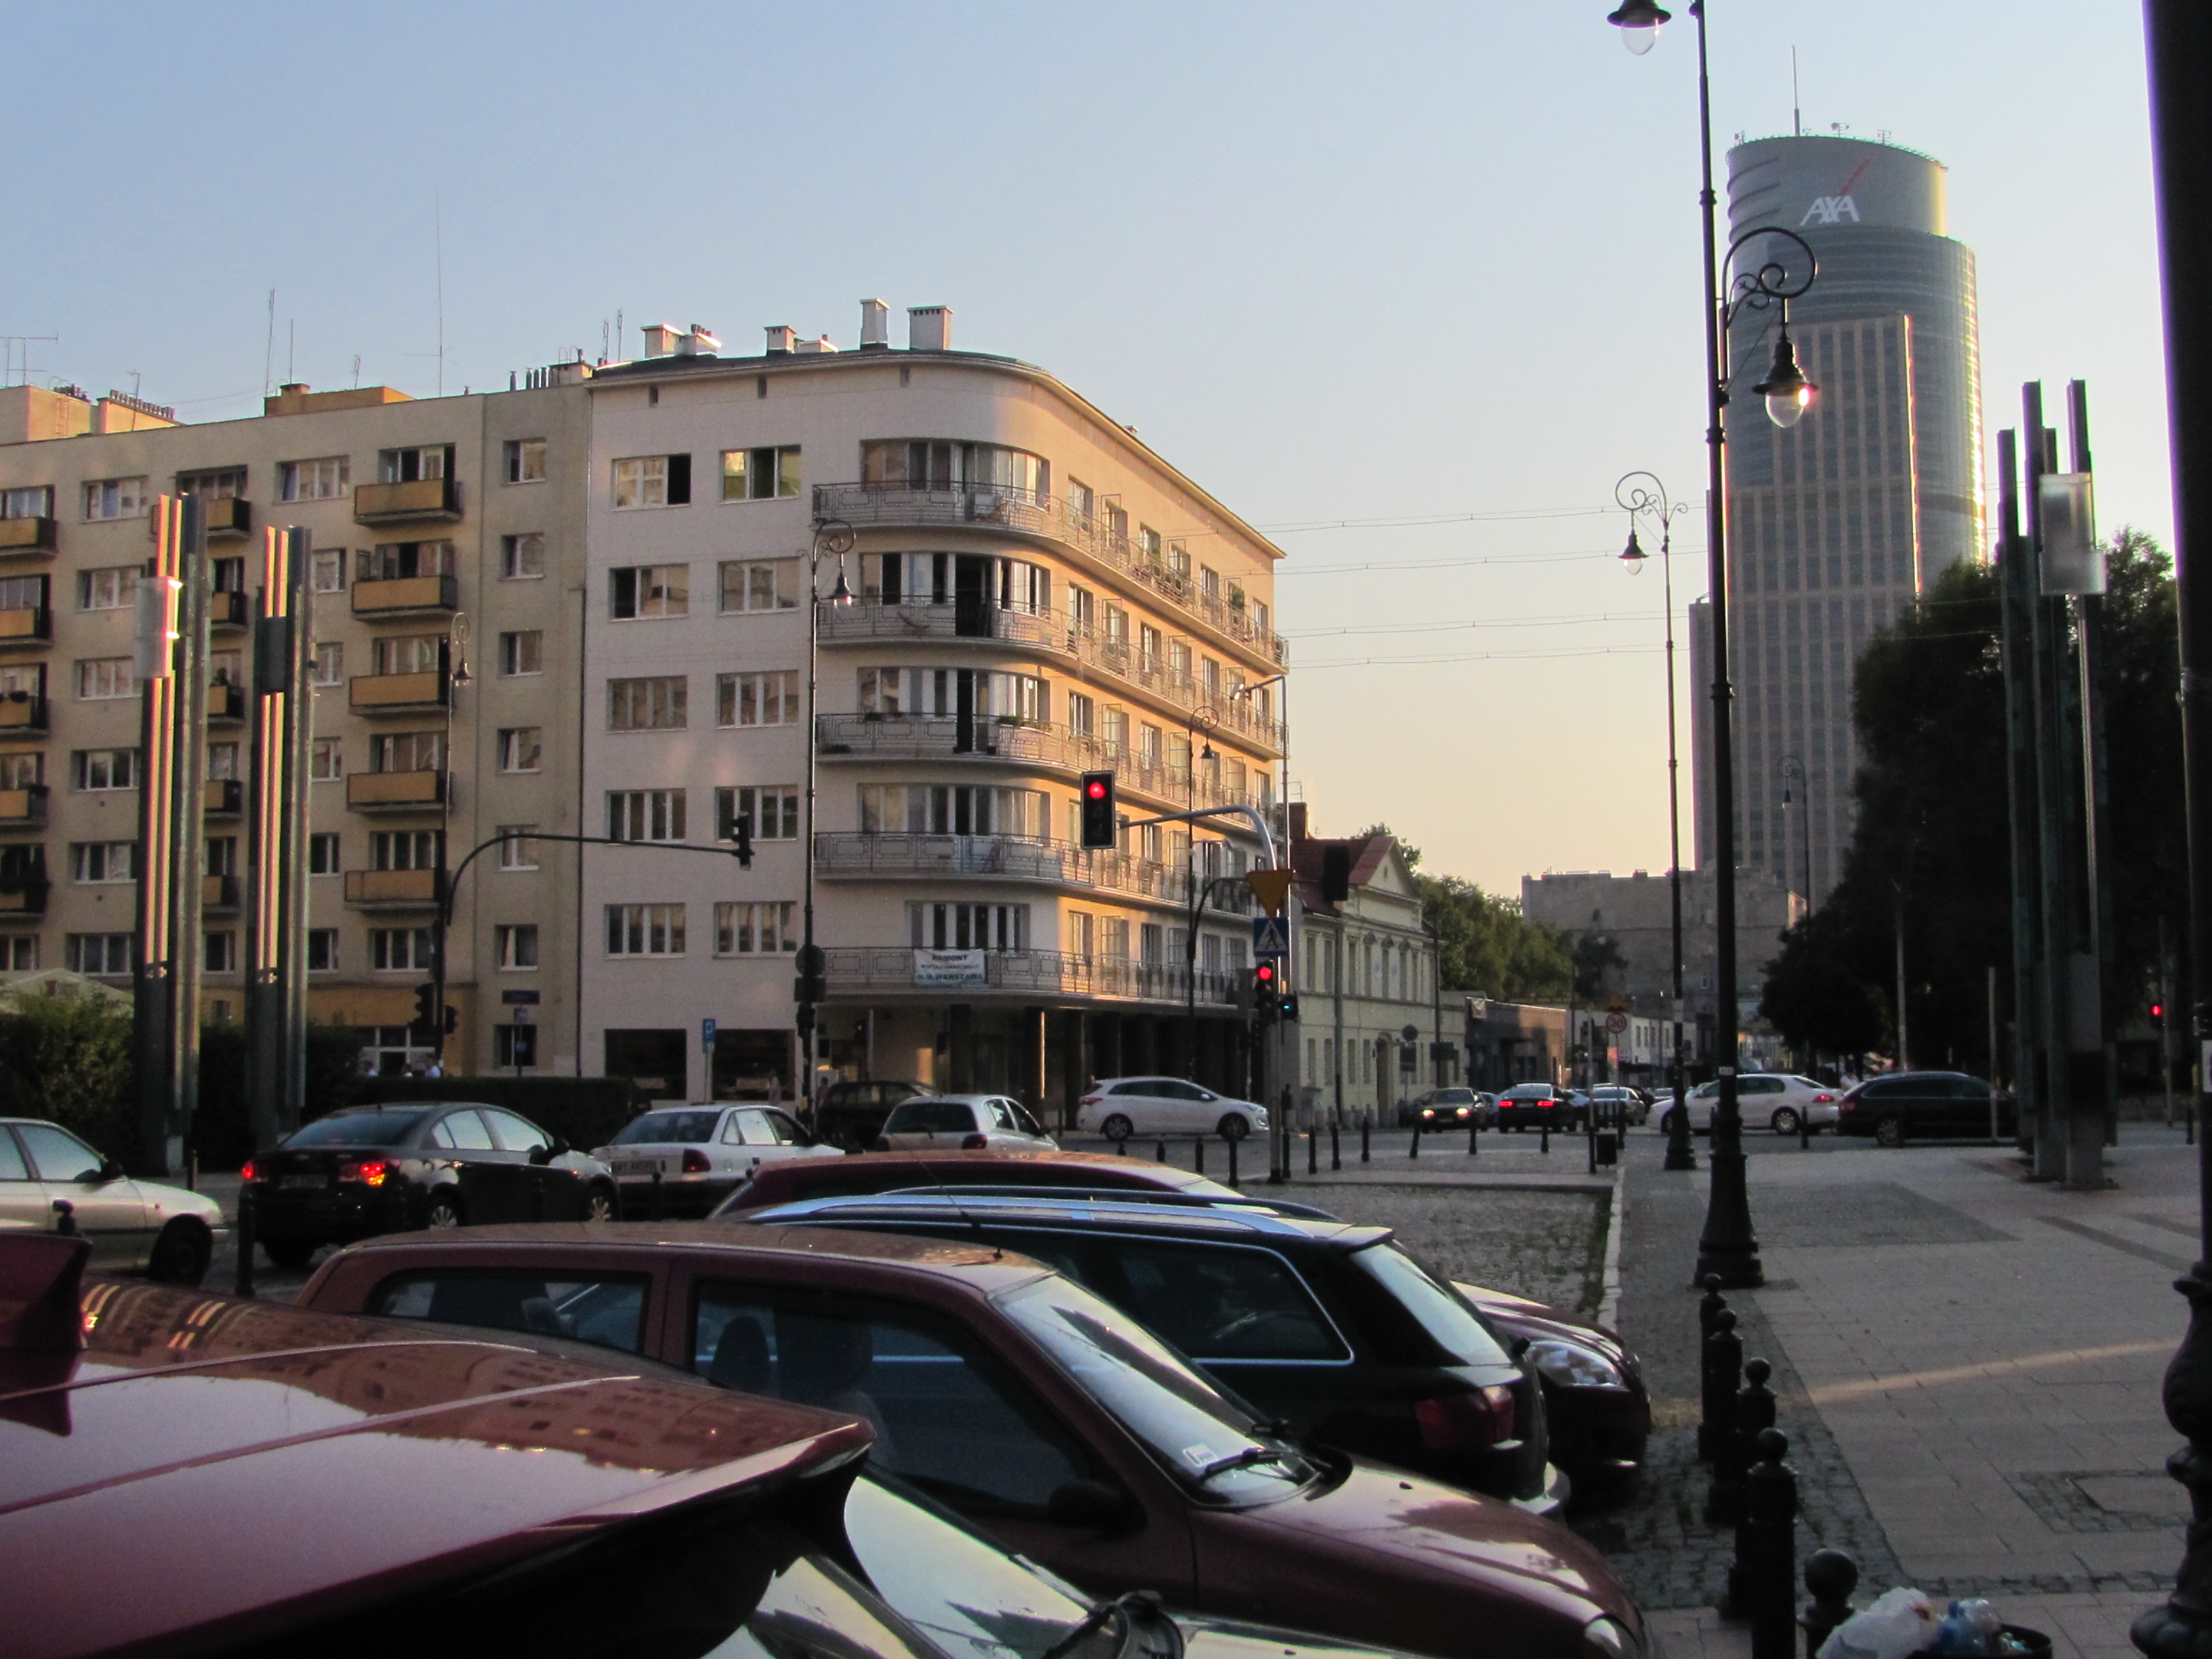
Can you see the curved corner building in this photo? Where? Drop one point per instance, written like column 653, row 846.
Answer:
column 1835, row 525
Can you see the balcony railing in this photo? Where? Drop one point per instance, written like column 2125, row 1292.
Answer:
column 25, row 624
column 219, row 893
column 875, row 621
column 32, row 537
column 392, row 890
column 388, row 503
column 395, row 792
column 225, row 701
column 1028, row 973
column 22, row 713
column 227, row 611
column 23, row 809
column 1012, row 858
column 1032, row 513
column 397, row 694
column 227, row 515
column 222, row 796
column 403, row 596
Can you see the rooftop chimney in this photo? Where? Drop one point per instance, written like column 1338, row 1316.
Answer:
column 660, row 339
column 875, row 325
column 780, row 339
column 929, row 328
column 697, row 343
column 814, row 348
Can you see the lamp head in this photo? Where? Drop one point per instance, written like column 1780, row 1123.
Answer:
column 1788, row 394
column 1639, row 22
column 1633, row 557
column 842, row 593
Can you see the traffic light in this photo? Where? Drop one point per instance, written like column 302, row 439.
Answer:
column 425, row 1008
column 1286, row 1004
column 1335, row 874
column 1267, row 992
column 2157, row 1010
column 1100, row 828
column 451, row 1022
column 812, row 985
column 741, row 831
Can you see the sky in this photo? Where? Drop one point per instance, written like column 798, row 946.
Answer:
column 1406, row 285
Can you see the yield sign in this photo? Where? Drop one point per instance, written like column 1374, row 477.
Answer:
column 1270, row 887
column 1271, row 937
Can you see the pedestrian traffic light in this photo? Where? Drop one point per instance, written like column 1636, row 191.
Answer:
column 425, row 1008
column 1286, row 1004
column 1099, row 828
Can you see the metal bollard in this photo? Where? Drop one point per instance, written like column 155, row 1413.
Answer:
column 1335, row 1146
column 1363, row 1129
column 1313, row 1152
column 1544, row 1135
column 1709, row 1305
column 1159, row 1151
column 1766, row 1549
column 1831, row 1576
column 1754, row 1410
column 1198, row 1154
column 1724, row 1370
column 242, row 1285
column 1232, row 1162
column 1474, row 1133
column 659, row 1209
column 1416, row 1151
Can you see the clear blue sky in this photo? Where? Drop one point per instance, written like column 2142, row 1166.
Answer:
column 1398, row 261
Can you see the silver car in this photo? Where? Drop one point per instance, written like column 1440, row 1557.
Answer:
column 684, row 1160
column 971, row 1123
column 1122, row 1107
column 52, row 1182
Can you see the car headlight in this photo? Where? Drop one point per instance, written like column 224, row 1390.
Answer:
column 1608, row 1638
column 1572, row 1366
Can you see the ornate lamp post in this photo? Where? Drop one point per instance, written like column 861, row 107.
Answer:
column 833, row 537
column 1727, row 1246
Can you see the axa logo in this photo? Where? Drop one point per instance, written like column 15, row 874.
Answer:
column 1831, row 210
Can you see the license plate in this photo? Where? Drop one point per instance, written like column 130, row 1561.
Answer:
column 636, row 1166
column 314, row 1182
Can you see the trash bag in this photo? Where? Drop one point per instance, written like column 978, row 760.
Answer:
column 1970, row 1630
column 1900, row 1623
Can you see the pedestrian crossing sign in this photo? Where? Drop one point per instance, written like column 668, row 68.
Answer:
column 1271, row 937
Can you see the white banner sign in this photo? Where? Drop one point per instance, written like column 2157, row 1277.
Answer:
column 949, row 968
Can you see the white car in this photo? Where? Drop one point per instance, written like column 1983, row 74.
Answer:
column 1124, row 1107
column 52, row 1182
column 1614, row 1100
column 700, row 1154
column 971, row 1123
column 1774, row 1099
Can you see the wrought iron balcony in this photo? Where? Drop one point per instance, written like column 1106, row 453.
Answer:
column 27, row 539
column 406, row 596
column 1027, row 974
column 25, row 625
column 391, row 503
column 392, row 890
column 395, row 792
column 398, row 694
column 23, row 809
column 1012, row 858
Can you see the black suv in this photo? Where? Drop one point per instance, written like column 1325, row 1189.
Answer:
column 1923, row 1106
column 1327, row 1326
column 851, row 1115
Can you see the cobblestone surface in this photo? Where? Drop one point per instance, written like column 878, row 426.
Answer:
column 1547, row 1245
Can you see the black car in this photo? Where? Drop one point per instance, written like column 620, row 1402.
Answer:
column 1923, row 1106
column 1328, row 1327
column 851, row 1114
column 369, row 1169
column 1538, row 1106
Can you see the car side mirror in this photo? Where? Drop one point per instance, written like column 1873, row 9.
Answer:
column 546, row 1154
column 1095, row 1504
column 109, row 1170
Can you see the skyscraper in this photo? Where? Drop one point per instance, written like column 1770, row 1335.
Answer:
column 1836, row 524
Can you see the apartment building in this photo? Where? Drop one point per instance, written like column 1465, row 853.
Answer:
column 1033, row 593
column 445, row 655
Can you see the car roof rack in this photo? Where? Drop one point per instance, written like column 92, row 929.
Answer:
column 965, row 1205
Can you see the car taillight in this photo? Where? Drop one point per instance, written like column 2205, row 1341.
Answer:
column 1822, row 1100
column 1848, row 1105
column 974, row 1144
column 696, row 1162
column 369, row 1171
column 1090, row 1100
column 1473, row 1417
column 245, row 1170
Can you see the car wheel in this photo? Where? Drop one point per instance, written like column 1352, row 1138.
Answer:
column 1667, row 1123
column 1231, row 1127
column 1117, row 1127
column 1890, row 1132
column 290, row 1254
column 181, row 1253
column 598, row 1203
column 1784, row 1121
column 445, row 1211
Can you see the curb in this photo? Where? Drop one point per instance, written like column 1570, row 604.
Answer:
column 1608, row 1306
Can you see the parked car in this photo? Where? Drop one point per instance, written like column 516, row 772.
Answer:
column 50, row 1180
column 1597, row 1409
column 1616, row 1102
column 1539, row 1105
column 1924, row 1106
column 369, row 1169
column 969, row 1122
column 1122, row 1108
column 684, row 1160
column 1451, row 1108
column 1058, row 1425
column 1775, row 1099
column 851, row 1114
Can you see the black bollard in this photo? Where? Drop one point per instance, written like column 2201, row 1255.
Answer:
column 1198, row 1154
column 659, row 1209
column 1364, row 1131
column 1831, row 1576
column 1544, row 1134
column 1313, row 1151
column 1416, row 1151
column 1723, row 1372
column 1232, row 1163
column 1159, row 1151
column 1766, row 1549
column 1474, row 1130
column 1754, row 1410
column 243, row 1284
column 1335, row 1146
column 1709, row 1305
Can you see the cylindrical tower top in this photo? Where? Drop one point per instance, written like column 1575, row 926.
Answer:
column 1808, row 183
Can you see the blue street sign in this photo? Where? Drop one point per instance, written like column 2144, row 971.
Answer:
column 1271, row 937
column 707, row 1035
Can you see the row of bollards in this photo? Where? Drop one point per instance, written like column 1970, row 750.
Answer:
column 1751, row 1487
column 1197, row 1155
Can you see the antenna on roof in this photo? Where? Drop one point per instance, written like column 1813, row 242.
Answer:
column 1796, row 114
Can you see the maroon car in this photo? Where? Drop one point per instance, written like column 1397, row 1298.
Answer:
column 1040, row 1411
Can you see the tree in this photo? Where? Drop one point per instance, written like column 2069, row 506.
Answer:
column 1483, row 943
column 1596, row 958
column 67, row 1057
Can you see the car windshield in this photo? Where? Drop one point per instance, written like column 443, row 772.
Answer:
column 360, row 1129
column 934, row 1116
column 1447, row 1320
column 1454, row 1096
column 1213, row 1444
column 665, row 1128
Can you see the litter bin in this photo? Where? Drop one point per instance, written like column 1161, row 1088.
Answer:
column 1609, row 1149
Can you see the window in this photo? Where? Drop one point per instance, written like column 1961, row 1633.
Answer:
column 1114, row 937
column 406, row 752
column 937, row 464
column 1081, row 933
column 98, row 953
column 330, row 662
column 323, row 858
column 1082, row 501
column 773, row 811
column 647, row 705
column 31, row 501
column 1082, row 713
column 1209, row 583
column 98, row 677
column 940, row 809
column 526, row 461
column 406, row 849
column 522, row 651
column 519, row 850
column 762, row 929
column 104, row 768
column 399, row 949
column 645, row 814
column 653, row 481
column 413, row 465
column 1148, row 648
column 23, row 771
column 321, row 480
column 100, row 861
column 521, row 748
column 645, row 930
column 222, row 761
column 219, row 952
column 406, row 653
column 322, row 950
column 1260, row 618
column 329, row 570
column 19, row 952
column 325, row 760
column 1082, row 608
column 1149, row 544
column 649, row 590
column 111, row 588
column 971, row 926
column 770, row 699
column 522, row 557
column 114, row 498
column 515, row 945
column 392, row 561
column 759, row 584
column 215, row 484
column 760, row 475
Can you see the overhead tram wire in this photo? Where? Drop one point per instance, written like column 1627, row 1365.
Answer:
column 1484, row 656
column 1478, row 621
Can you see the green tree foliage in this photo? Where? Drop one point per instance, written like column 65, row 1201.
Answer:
column 1483, row 943
column 67, row 1057
column 1597, row 959
column 1932, row 840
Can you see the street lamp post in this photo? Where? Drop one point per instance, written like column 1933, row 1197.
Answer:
column 1653, row 502
column 1727, row 1247
column 834, row 536
column 1791, row 770
column 1201, row 719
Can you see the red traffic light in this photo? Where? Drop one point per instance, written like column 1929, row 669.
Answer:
column 2157, row 1010
column 1264, row 974
column 1096, row 789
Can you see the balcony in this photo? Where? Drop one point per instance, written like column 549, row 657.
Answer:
column 23, row 882
column 226, row 703
column 22, row 716
column 230, row 515
column 1029, row 513
column 24, row 625
column 218, row 893
column 394, row 503
column 23, row 809
column 1022, row 974
column 398, row 694
column 27, row 539
column 1009, row 858
column 222, row 797
column 406, row 596
column 393, row 890
column 395, row 792
column 227, row 611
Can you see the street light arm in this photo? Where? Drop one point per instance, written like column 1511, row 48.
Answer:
column 453, row 877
